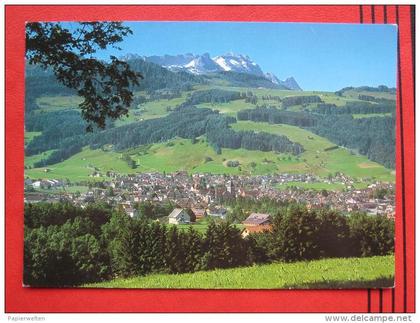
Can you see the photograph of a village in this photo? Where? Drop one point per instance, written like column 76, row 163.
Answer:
column 209, row 155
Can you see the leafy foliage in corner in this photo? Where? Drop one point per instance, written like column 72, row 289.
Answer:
column 104, row 87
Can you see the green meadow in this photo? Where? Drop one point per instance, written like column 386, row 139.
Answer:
column 182, row 154
column 30, row 135
column 229, row 108
column 201, row 225
column 56, row 103
column 354, row 94
column 371, row 115
column 315, row 159
column 31, row 160
column 151, row 110
column 80, row 166
column 326, row 273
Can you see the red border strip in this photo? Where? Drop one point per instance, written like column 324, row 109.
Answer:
column 19, row 299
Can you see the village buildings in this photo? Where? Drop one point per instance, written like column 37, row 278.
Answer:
column 206, row 194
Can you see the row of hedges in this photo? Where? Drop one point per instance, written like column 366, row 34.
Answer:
column 299, row 234
column 77, row 251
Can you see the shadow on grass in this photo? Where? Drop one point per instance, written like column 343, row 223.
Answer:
column 382, row 282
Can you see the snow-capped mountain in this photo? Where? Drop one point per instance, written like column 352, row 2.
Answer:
column 238, row 63
column 175, row 61
column 204, row 64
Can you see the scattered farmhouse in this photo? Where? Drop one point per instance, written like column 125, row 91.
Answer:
column 179, row 216
column 256, row 222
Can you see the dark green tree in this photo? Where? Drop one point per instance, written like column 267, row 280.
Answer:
column 298, row 234
column 237, row 215
column 193, row 249
column 224, row 247
column 174, row 254
column 333, row 234
column 371, row 235
column 123, row 244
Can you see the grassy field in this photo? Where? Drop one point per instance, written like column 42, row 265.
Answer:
column 148, row 110
column 55, row 103
column 327, row 97
column 201, row 225
column 355, row 94
column 31, row 160
column 30, row 135
column 326, row 273
column 182, row 154
column 81, row 165
column 315, row 159
column 151, row 110
column 158, row 108
column 371, row 115
column 229, row 108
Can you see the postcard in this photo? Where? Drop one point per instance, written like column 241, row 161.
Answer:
column 210, row 155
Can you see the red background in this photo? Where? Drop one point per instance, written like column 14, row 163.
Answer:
column 19, row 299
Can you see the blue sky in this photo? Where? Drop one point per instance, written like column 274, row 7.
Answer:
column 320, row 56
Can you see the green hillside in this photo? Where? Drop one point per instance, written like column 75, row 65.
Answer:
column 371, row 115
column 354, row 93
column 326, row 273
column 31, row 160
column 182, row 154
column 80, row 166
column 318, row 161
column 54, row 103
column 29, row 136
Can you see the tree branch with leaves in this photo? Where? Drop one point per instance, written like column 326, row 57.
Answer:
column 104, row 86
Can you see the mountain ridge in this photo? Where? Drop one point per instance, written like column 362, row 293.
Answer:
column 205, row 64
